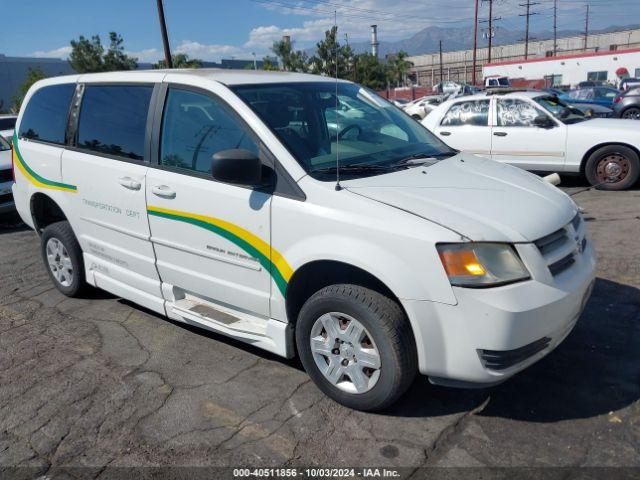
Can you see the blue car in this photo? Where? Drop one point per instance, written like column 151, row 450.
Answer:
column 603, row 96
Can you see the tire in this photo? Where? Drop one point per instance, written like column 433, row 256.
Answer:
column 416, row 117
column 385, row 332
column 631, row 113
column 59, row 241
column 615, row 158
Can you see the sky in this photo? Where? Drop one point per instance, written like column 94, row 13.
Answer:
column 215, row 29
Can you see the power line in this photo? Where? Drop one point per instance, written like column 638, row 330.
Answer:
column 491, row 33
column 528, row 15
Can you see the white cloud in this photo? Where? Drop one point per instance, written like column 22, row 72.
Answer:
column 148, row 55
column 210, row 52
column 62, row 52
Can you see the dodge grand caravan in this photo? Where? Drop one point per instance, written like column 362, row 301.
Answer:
column 215, row 198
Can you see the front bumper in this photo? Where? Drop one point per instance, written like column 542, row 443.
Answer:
column 522, row 322
column 7, row 203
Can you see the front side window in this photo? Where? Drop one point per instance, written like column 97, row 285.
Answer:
column 45, row 116
column 113, row 119
column 195, row 127
column 472, row 112
column 517, row 113
column 319, row 122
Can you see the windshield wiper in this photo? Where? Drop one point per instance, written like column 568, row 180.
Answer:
column 353, row 168
column 421, row 159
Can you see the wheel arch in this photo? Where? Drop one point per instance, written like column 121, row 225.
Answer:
column 45, row 211
column 317, row 274
column 590, row 152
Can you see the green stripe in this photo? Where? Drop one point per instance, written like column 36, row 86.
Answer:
column 34, row 174
column 280, row 282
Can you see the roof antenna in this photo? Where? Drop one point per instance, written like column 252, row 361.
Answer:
column 335, row 43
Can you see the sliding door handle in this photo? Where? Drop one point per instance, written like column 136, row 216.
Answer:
column 163, row 191
column 500, row 134
column 130, row 183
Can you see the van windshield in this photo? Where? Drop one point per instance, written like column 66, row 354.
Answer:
column 367, row 133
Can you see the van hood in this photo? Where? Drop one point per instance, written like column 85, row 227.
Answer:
column 478, row 198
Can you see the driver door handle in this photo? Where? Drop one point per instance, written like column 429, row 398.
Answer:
column 500, row 134
column 163, row 191
column 130, row 183
column 445, row 134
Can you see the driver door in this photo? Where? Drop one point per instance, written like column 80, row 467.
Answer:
column 517, row 141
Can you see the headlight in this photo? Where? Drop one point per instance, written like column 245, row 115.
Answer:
column 481, row 264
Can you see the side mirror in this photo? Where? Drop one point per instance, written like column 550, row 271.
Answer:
column 237, row 166
column 542, row 121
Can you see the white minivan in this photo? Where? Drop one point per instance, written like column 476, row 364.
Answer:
column 214, row 198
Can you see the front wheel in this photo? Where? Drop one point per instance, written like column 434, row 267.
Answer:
column 632, row 113
column 357, row 346
column 62, row 256
column 614, row 167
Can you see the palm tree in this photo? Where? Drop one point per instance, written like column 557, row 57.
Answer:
column 399, row 67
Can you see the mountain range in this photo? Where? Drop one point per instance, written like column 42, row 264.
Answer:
column 461, row 38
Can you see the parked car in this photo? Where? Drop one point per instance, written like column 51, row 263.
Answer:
column 7, row 123
column 447, row 88
column 213, row 197
column 627, row 84
column 627, row 105
column 496, row 81
column 595, row 95
column 421, row 107
column 537, row 131
column 6, row 178
column 589, row 109
column 589, row 83
column 400, row 102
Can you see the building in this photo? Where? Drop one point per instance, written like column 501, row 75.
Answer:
column 569, row 70
column 13, row 72
column 457, row 66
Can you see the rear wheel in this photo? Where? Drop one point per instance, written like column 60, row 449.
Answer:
column 63, row 258
column 632, row 113
column 614, row 167
column 357, row 346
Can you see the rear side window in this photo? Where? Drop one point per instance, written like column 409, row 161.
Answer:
column 113, row 119
column 195, row 127
column 45, row 116
column 473, row 112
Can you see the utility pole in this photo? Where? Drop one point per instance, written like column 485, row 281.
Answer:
column 586, row 29
column 441, row 71
column 528, row 15
column 165, row 39
column 475, row 45
column 555, row 28
column 489, row 34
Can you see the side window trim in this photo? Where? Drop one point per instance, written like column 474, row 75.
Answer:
column 74, row 119
column 284, row 185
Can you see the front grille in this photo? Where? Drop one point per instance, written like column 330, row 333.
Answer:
column 503, row 359
column 6, row 176
column 561, row 248
column 556, row 268
column 552, row 242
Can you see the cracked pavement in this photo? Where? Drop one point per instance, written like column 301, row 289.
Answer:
column 100, row 382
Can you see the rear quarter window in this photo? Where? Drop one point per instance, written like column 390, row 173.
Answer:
column 45, row 116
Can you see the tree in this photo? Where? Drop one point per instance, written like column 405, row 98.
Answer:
column 268, row 65
column 88, row 55
column 290, row 59
column 399, row 67
column 370, row 72
column 33, row 75
column 330, row 56
column 180, row 60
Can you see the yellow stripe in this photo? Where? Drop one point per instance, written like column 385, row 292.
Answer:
column 263, row 247
column 33, row 180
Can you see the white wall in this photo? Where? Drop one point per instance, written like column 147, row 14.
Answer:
column 573, row 70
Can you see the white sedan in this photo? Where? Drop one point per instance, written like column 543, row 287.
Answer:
column 536, row 131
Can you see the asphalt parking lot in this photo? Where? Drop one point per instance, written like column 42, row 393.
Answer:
column 99, row 382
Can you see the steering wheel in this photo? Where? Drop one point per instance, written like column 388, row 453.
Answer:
column 348, row 128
